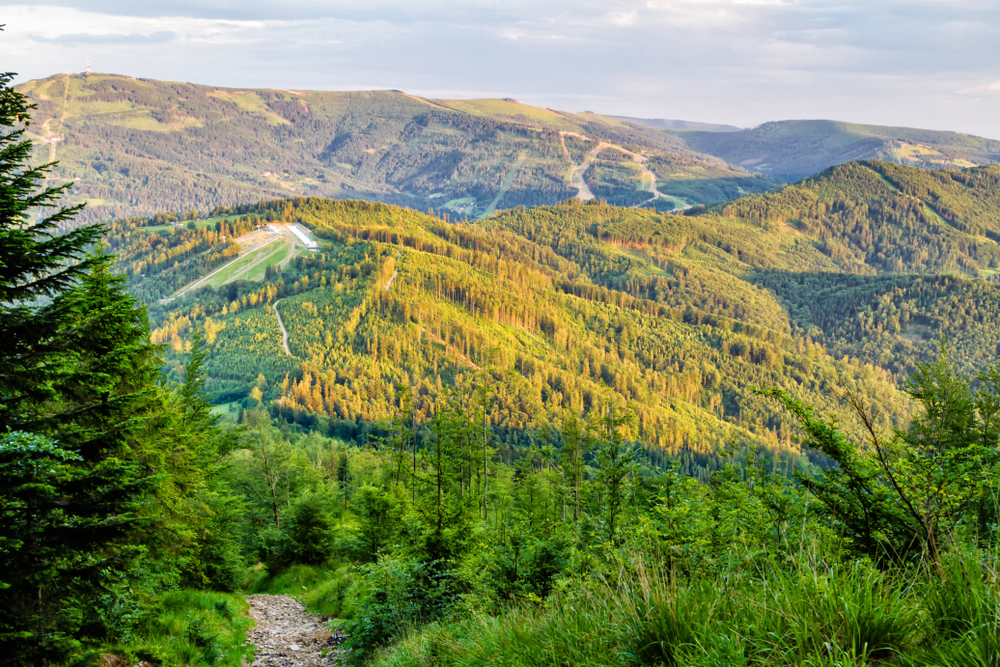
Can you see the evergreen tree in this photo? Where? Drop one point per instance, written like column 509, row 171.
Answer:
column 36, row 263
column 78, row 386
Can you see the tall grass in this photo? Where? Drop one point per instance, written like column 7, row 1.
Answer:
column 321, row 589
column 814, row 614
column 190, row 627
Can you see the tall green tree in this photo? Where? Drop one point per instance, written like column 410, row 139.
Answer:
column 616, row 458
column 36, row 264
column 78, row 383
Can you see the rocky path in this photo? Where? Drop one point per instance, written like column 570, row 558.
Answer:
column 286, row 635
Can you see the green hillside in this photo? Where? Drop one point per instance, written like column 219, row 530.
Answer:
column 871, row 217
column 552, row 328
column 850, row 277
column 141, row 147
column 793, row 149
column 531, row 439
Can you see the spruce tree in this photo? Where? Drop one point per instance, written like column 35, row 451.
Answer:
column 36, row 264
column 77, row 386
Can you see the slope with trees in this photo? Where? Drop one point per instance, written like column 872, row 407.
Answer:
column 109, row 493
column 556, row 454
column 142, row 147
column 793, row 149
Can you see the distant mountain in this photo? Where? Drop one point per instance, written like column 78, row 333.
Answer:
column 140, row 147
column 666, row 124
column 793, row 149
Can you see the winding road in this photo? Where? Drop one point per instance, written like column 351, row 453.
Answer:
column 284, row 331
column 584, row 192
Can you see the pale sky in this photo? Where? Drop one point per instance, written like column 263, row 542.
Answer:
column 918, row 63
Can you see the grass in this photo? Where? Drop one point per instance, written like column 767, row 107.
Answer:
column 276, row 255
column 509, row 109
column 201, row 223
column 251, row 101
column 250, row 266
column 227, row 411
column 816, row 613
column 508, row 179
column 321, row 589
column 190, row 627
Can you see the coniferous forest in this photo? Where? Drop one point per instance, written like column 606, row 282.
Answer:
column 762, row 432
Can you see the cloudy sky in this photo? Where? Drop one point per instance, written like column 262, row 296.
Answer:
column 922, row 63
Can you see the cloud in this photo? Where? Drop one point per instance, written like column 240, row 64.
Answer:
column 988, row 89
column 83, row 38
column 924, row 62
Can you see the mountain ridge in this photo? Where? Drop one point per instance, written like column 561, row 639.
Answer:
column 794, row 149
column 140, row 147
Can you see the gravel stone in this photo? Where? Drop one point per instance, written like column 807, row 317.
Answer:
column 286, row 635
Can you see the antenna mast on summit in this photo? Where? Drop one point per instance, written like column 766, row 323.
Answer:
column 88, row 65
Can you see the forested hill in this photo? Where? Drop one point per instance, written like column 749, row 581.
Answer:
column 793, row 149
column 563, row 308
column 140, row 147
column 869, row 217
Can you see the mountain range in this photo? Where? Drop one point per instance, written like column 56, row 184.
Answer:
column 138, row 147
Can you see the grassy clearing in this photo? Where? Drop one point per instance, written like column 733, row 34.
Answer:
column 465, row 206
column 251, row 101
column 508, row 179
column 510, row 109
column 227, row 411
column 200, row 223
column 277, row 253
column 250, row 266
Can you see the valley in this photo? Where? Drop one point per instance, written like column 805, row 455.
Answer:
column 378, row 380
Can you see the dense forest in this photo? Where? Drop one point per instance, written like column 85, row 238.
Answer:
column 680, row 315
column 552, row 319
column 571, row 435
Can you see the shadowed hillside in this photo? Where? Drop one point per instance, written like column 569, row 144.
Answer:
column 793, row 149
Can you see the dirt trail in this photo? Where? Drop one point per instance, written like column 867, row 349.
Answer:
column 288, row 636
column 576, row 175
column 394, row 272
column 284, row 331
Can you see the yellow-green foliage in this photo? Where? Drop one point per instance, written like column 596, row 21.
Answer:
column 553, row 304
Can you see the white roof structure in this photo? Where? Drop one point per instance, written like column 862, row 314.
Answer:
column 301, row 235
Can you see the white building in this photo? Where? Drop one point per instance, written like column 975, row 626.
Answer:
column 301, row 235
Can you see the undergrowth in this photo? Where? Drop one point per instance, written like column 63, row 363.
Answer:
column 814, row 613
column 189, row 627
column 321, row 588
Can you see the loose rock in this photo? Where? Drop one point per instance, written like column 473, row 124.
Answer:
column 286, row 635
